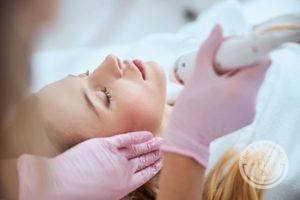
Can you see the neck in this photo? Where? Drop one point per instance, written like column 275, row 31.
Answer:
column 166, row 115
column 25, row 133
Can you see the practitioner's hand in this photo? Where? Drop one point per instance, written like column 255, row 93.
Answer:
column 211, row 106
column 101, row 168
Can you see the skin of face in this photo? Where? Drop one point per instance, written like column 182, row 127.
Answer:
column 113, row 99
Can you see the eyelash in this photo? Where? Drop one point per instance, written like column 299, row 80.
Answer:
column 107, row 94
column 105, row 91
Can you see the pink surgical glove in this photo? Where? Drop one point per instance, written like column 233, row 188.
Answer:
column 101, row 168
column 210, row 105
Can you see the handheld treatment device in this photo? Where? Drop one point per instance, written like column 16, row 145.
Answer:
column 241, row 51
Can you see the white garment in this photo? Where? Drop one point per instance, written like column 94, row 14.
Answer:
column 278, row 109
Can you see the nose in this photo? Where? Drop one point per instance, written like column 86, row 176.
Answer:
column 114, row 63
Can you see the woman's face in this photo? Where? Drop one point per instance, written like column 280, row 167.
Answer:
column 117, row 97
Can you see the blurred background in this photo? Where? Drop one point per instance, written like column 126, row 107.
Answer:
column 106, row 22
column 85, row 31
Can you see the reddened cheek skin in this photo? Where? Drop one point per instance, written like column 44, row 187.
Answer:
column 146, row 116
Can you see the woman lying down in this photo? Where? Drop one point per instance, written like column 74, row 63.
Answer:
column 118, row 97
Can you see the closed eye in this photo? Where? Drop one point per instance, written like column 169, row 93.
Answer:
column 87, row 73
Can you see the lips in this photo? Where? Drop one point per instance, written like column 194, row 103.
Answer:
column 140, row 67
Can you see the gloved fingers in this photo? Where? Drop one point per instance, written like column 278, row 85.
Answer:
column 146, row 160
column 254, row 74
column 143, row 148
column 207, row 52
column 131, row 138
column 144, row 175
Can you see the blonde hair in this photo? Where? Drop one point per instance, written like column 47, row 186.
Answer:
column 224, row 182
column 148, row 191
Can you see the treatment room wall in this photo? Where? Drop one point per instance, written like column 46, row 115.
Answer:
column 94, row 23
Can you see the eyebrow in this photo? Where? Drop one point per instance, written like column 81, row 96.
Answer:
column 90, row 104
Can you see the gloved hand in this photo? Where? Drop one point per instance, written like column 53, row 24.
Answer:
column 210, row 105
column 101, row 168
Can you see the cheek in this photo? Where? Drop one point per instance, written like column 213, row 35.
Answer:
column 158, row 82
column 137, row 107
column 144, row 114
